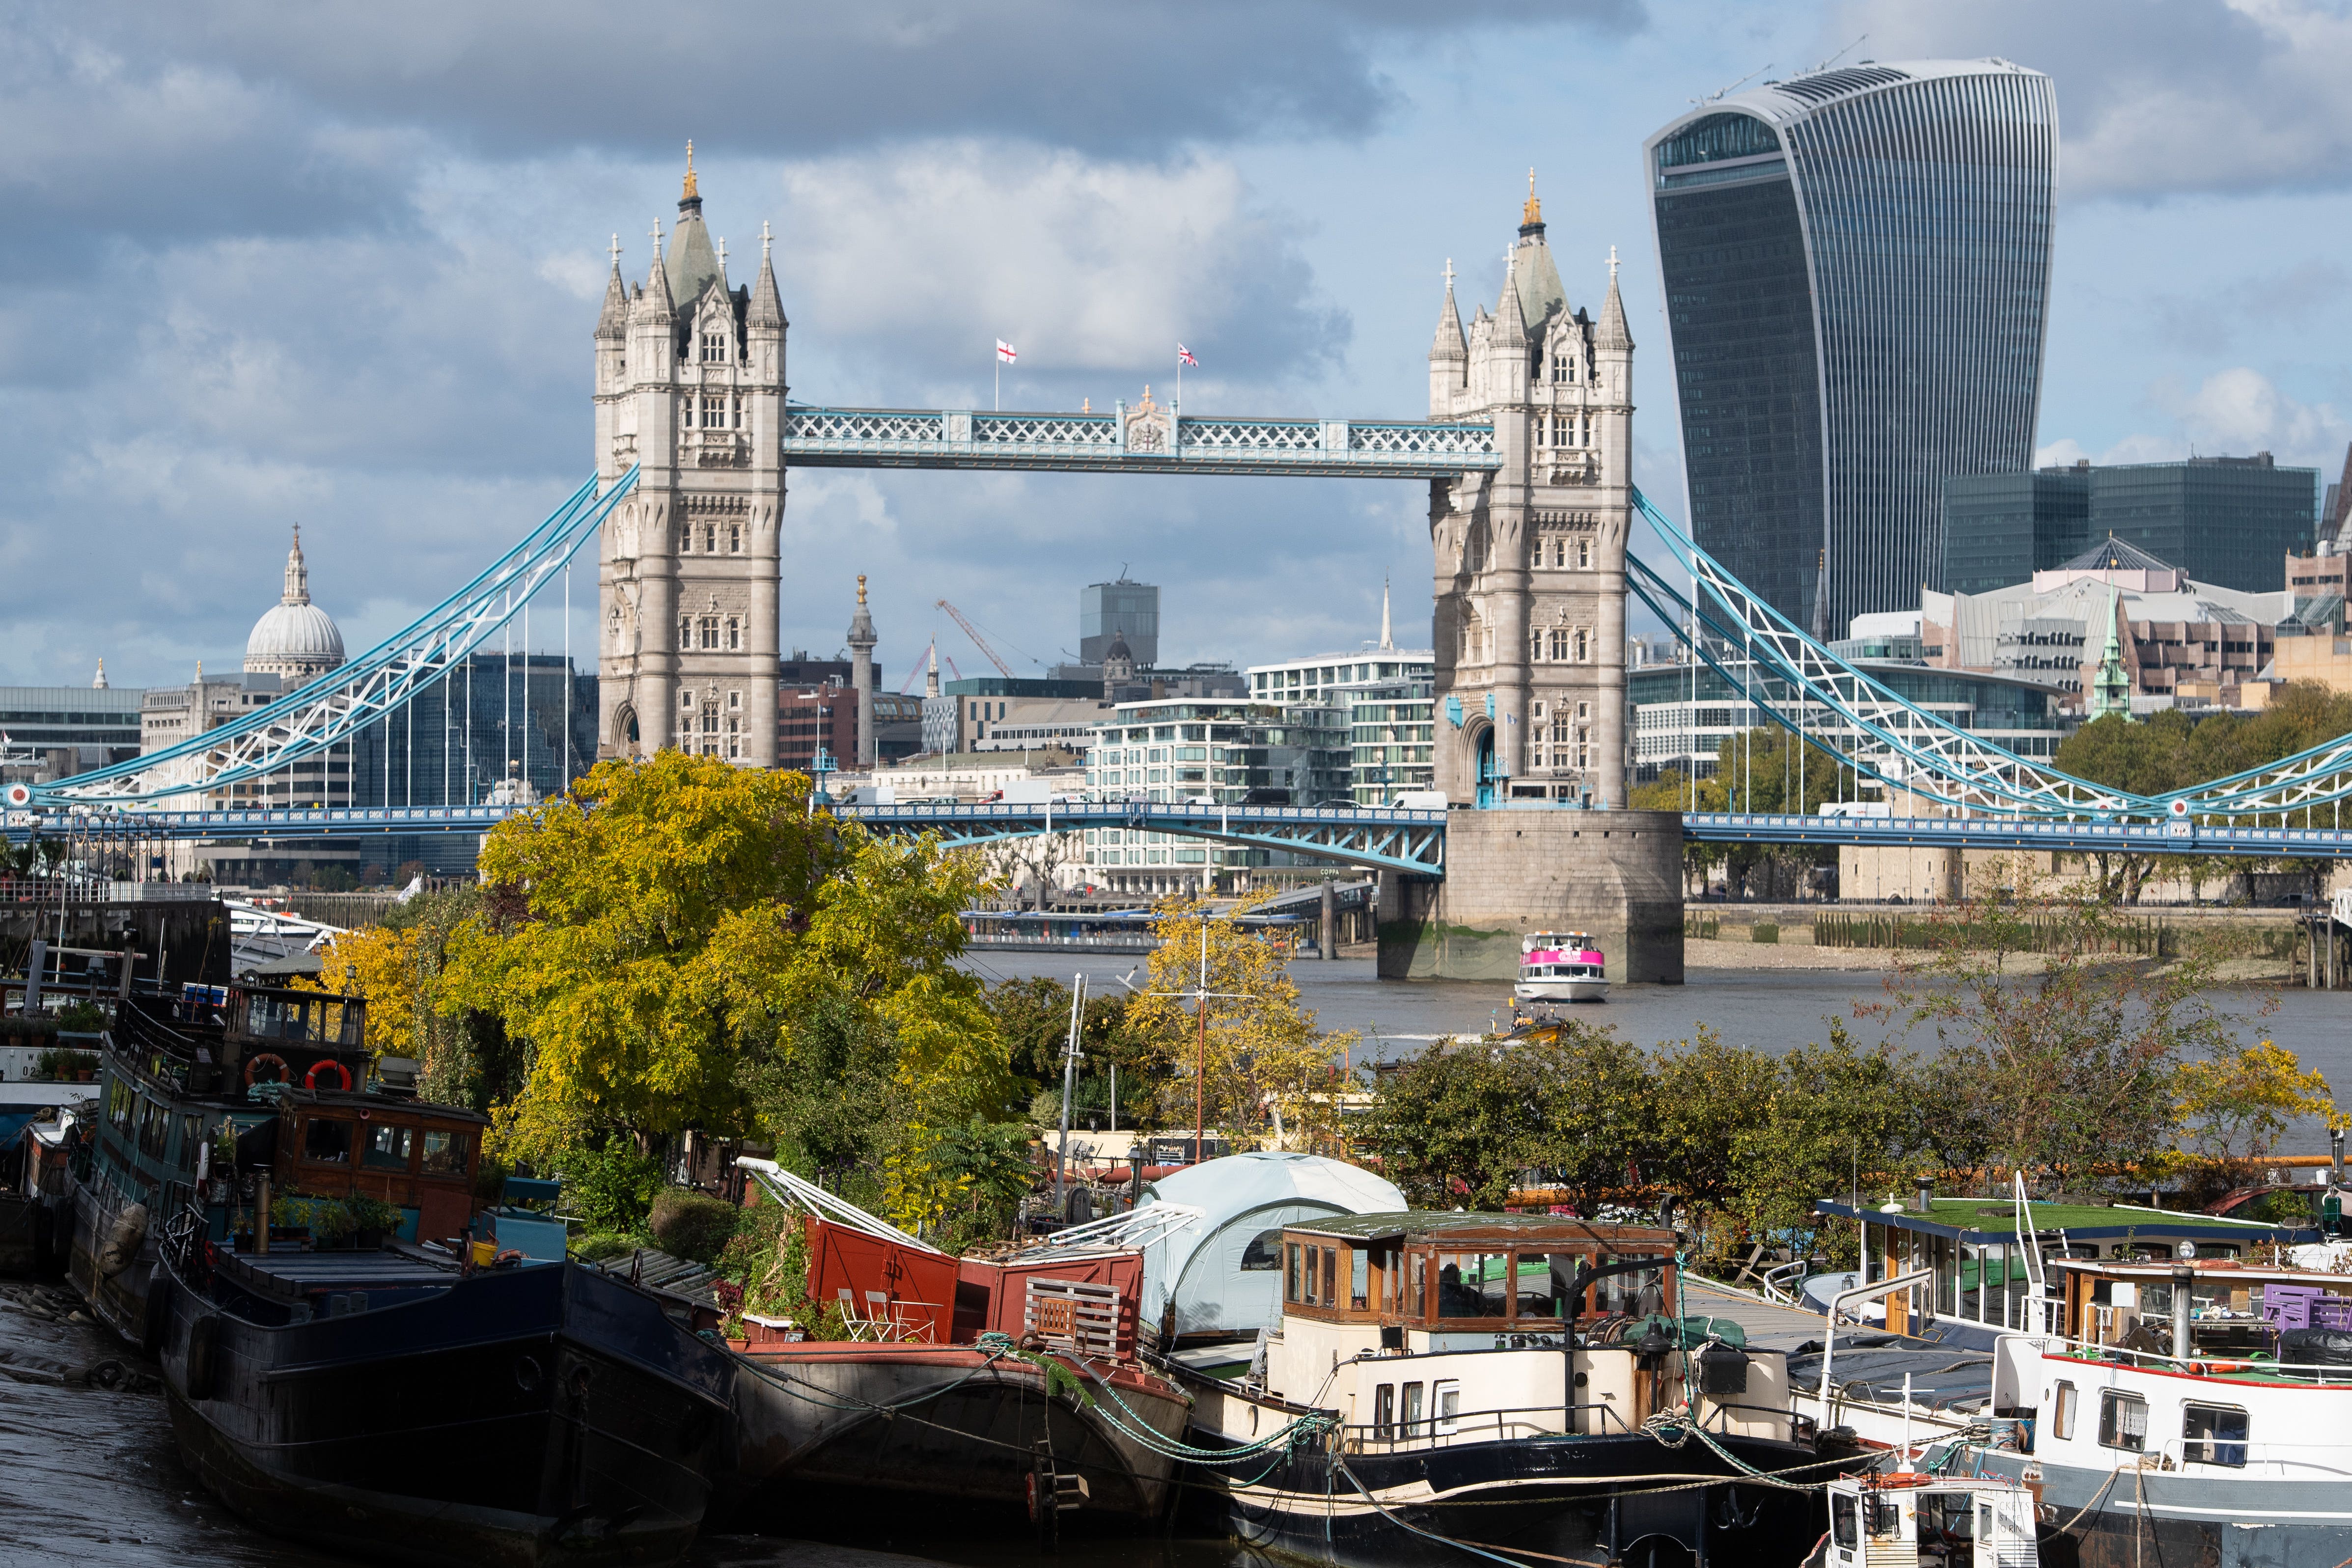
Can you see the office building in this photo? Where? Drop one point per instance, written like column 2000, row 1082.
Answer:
column 1186, row 750
column 1684, row 717
column 816, row 727
column 2183, row 642
column 54, row 732
column 1124, row 609
column 2222, row 520
column 1855, row 265
column 2001, row 528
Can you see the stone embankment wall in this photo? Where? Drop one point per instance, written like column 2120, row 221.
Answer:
column 1615, row 875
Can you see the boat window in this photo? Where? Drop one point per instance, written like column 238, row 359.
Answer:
column 327, row 1139
column 1474, row 1285
column 1844, row 1523
column 1412, row 1413
column 1544, row 1281
column 445, row 1153
column 2213, row 1433
column 1444, row 1405
column 330, row 1019
column 1417, row 1270
column 118, row 1105
column 1638, row 1293
column 1359, row 1265
column 1384, row 1411
column 387, row 1147
column 191, row 1135
column 2061, row 1412
column 153, row 1119
column 2123, row 1421
column 1290, row 1274
column 1264, row 1253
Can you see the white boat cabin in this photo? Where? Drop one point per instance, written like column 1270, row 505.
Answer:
column 1440, row 1328
column 2212, row 1366
column 1929, row 1521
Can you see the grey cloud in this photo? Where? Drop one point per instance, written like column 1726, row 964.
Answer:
column 2158, row 98
column 535, row 76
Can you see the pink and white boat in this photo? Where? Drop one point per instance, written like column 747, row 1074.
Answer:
column 1562, row 966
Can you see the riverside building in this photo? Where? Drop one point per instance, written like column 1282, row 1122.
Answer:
column 1855, row 265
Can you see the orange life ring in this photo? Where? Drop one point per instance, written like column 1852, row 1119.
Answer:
column 310, row 1079
column 252, row 1062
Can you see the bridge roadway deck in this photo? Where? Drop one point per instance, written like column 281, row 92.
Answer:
column 1372, row 837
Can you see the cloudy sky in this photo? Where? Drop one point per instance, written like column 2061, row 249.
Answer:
column 338, row 265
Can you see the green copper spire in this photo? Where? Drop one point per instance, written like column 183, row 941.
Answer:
column 2111, row 690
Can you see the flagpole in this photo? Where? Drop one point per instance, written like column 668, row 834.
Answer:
column 1000, row 380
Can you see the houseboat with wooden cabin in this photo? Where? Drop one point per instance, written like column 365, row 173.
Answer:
column 1522, row 1384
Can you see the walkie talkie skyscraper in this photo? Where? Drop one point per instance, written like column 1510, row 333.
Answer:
column 1856, row 272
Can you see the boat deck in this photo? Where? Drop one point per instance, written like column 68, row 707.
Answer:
column 1870, row 1363
column 292, row 1275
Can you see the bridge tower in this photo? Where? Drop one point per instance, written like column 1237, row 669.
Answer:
column 691, row 387
column 1530, row 561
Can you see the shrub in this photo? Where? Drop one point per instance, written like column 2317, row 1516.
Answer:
column 599, row 1245
column 82, row 1018
column 689, row 1224
column 609, row 1188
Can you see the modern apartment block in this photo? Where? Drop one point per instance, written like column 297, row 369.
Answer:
column 1855, row 265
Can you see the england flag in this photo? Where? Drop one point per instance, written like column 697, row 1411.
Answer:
column 1004, row 351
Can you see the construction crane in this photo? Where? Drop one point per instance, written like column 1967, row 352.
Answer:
column 978, row 641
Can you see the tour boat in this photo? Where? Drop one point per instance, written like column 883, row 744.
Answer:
column 1562, row 966
column 1013, row 1381
column 1513, row 1384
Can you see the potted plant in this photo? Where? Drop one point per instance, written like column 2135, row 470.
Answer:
column 373, row 1222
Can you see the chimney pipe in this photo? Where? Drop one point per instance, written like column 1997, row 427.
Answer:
column 1925, row 1192
column 2184, row 1276
column 2336, row 1155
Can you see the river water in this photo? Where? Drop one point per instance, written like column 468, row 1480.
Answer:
column 1770, row 1009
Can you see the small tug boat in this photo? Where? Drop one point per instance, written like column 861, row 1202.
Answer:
column 1511, row 1382
column 1562, row 966
column 1015, row 1382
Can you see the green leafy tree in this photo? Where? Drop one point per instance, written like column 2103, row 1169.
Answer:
column 1450, row 1126
column 1592, row 1122
column 681, row 934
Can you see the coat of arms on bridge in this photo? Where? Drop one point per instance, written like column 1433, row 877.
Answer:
column 1148, row 427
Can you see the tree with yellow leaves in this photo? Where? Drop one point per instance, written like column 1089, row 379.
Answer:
column 2232, row 1107
column 1269, row 1071
column 379, row 964
column 681, row 942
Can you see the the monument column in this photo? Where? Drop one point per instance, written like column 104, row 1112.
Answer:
column 861, row 674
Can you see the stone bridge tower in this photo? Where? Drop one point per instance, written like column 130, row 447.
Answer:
column 690, row 387
column 1530, row 561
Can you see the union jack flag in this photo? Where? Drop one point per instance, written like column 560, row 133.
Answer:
column 1184, row 356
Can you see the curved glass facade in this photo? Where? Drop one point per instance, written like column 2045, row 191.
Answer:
column 1856, row 270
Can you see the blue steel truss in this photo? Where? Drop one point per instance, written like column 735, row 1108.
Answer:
column 1375, row 836
column 1096, row 442
column 1409, row 842
column 1782, row 669
column 337, row 706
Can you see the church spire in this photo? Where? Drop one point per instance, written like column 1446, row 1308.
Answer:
column 1510, row 318
column 297, row 575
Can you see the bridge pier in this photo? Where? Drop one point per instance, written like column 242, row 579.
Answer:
column 1615, row 875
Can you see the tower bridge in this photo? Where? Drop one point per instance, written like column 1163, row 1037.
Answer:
column 1525, row 452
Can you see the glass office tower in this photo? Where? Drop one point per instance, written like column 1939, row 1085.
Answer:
column 1856, row 272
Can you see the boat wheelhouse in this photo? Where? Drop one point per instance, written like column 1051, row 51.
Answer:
column 1515, row 1380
